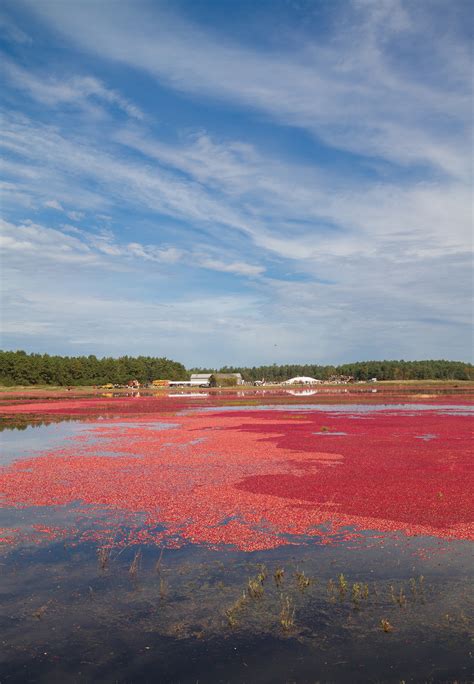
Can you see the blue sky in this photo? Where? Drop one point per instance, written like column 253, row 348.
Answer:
column 237, row 182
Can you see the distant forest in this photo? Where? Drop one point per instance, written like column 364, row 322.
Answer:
column 20, row 368
column 361, row 370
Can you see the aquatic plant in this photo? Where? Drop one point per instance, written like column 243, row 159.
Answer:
column 398, row 597
column 342, row 582
column 103, row 557
column 158, row 562
column 135, row 564
column 278, row 576
column 232, row 613
column 163, row 588
column 302, row 580
column 287, row 613
column 385, row 625
column 38, row 614
column 331, row 589
column 255, row 588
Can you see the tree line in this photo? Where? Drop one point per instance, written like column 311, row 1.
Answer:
column 361, row 370
column 20, row 368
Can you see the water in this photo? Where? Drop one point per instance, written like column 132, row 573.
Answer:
column 185, row 612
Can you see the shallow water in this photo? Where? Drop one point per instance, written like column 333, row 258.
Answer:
column 310, row 609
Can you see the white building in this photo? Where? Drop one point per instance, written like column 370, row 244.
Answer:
column 200, row 379
column 302, row 380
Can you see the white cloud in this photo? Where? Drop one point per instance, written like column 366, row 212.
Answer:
column 348, row 90
column 75, row 215
column 79, row 91
column 53, row 204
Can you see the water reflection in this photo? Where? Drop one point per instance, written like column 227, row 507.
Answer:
column 71, row 613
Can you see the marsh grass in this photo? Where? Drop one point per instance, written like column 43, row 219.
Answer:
column 359, row 592
column 385, row 625
column 40, row 612
column 159, row 561
column 103, row 557
column 287, row 613
column 234, row 611
column 255, row 584
column 278, row 576
column 135, row 564
column 331, row 590
column 342, row 584
column 398, row 597
column 163, row 589
column 255, row 588
column 302, row 581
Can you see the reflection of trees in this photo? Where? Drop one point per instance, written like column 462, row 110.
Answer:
column 21, row 422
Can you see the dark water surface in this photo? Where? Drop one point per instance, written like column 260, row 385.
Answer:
column 382, row 608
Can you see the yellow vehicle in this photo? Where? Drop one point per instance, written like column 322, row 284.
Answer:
column 107, row 386
column 160, row 383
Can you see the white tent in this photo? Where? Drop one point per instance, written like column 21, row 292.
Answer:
column 302, row 380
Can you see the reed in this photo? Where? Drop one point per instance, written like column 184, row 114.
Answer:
column 135, row 564
column 103, row 557
column 287, row 613
column 278, row 576
column 385, row 625
column 302, row 581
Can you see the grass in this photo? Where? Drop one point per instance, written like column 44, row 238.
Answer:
column 385, row 625
column 103, row 557
column 342, row 584
column 287, row 613
column 302, row 580
column 255, row 584
column 232, row 613
column 163, row 589
column 158, row 562
column 135, row 564
column 278, row 576
column 398, row 597
column 38, row 614
column 255, row 588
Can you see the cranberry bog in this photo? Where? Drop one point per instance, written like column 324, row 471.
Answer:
column 252, row 536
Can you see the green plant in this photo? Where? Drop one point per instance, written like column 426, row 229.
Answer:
column 278, row 576
column 103, row 557
column 342, row 585
column 135, row 564
column 302, row 581
column 232, row 613
column 287, row 613
column 255, row 588
column 385, row 625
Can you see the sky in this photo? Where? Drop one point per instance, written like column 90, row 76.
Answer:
column 237, row 182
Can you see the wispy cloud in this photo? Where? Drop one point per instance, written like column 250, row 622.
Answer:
column 78, row 91
column 349, row 91
column 343, row 230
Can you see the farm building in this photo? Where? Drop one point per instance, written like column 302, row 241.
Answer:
column 302, row 380
column 200, row 379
